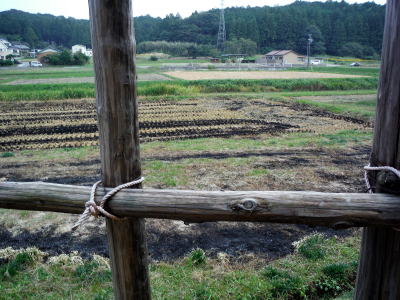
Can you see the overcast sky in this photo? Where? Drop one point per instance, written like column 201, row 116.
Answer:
column 156, row 8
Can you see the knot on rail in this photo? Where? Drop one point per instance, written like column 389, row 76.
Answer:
column 91, row 207
column 246, row 204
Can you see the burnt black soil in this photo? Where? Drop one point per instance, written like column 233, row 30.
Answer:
column 168, row 240
column 268, row 241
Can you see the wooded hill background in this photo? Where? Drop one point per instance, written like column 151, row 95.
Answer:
column 338, row 28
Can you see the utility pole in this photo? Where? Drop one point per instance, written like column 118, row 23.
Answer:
column 309, row 41
column 221, row 30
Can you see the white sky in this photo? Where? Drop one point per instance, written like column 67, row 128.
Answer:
column 156, row 8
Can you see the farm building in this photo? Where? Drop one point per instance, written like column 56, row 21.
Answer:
column 45, row 52
column 82, row 49
column 284, row 57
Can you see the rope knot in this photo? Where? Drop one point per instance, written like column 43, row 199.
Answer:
column 368, row 168
column 91, row 207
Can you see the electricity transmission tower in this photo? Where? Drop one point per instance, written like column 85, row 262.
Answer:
column 221, row 30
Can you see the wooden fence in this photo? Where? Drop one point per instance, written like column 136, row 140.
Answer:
column 113, row 45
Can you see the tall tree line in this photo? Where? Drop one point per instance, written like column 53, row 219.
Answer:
column 332, row 24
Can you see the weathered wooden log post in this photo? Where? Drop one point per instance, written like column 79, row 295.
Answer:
column 379, row 270
column 113, row 52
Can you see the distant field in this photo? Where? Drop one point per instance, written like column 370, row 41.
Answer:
column 188, row 75
column 141, row 77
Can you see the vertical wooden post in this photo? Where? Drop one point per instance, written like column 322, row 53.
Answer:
column 379, row 270
column 113, row 51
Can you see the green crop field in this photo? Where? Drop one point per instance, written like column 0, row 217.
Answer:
column 242, row 134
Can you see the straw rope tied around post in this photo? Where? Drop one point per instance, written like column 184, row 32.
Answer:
column 383, row 168
column 91, row 207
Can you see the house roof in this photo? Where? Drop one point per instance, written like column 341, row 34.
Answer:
column 79, row 45
column 48, row 51
column 280, row 52
column 20, row 47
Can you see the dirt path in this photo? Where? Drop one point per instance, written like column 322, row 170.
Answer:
column 188, row 75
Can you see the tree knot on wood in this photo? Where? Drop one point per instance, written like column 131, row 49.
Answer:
column 246, row 204
column 342, row 225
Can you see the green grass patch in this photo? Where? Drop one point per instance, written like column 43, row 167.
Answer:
column 258, row 172
column 166, row 174
column 195, row 277
column 19, row 263
column 346, row 70
column 343, row 138
column 187, row 88
column 363, row 108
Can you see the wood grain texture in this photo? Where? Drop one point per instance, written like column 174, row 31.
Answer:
column 113, row 43
column 379, row 268
column 339, row 210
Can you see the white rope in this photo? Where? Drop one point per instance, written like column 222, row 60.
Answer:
column 91, row 207
column 383, row 168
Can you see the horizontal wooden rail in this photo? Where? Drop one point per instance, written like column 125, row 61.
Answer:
column 337, row 210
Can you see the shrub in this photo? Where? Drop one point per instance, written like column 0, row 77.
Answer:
column 336, row 271
column 153, row 58
column 80, row 59
column 7, row 154
column 197, row 257
column 66, row 58
column 6, row 62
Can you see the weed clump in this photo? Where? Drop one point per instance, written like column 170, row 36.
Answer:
column 197, row 257
column 285, row 284
column 311, row 247
column 335, row 279
column 15, row 265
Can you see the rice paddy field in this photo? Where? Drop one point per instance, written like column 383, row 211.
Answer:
column 307, row 129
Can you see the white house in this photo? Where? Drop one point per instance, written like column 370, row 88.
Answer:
column 4, row 50
column 82, row 49
column 7, row 43
column 20, row 49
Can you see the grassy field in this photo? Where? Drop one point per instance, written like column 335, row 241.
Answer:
column 311, row 272
column 333, row 119
column 187, row 88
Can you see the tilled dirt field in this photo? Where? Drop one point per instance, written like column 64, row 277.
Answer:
column 72, row 123
column 208, row 75
column 283, row 168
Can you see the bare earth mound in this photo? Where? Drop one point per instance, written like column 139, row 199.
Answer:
column 188, row 75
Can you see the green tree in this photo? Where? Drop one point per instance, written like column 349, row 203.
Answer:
column 352, row 49
column 318, row 44
column 30, row 37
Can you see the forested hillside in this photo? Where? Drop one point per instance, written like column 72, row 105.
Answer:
column 337, row 27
